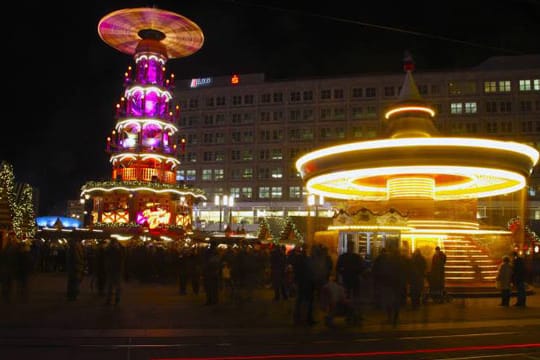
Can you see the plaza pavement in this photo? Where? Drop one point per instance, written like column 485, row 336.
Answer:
column 156, row 310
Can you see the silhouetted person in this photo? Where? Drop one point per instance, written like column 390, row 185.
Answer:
column 518, row 278
column 388, row 276
column 504, row 280
column 278, row 262
column 75, row 265
column 182, row 271
column 23, row 269
column 211, row 275
column 349, row 267
column 8, row 266
column 417, row 275
column 437, row 276
column 305, row 284
column 114, row 270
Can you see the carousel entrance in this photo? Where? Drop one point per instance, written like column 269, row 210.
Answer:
column 368, row 244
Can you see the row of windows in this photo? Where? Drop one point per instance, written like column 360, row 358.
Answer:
column 277, row 135
column 263, row 192
column 305, row 134
column 494, row 106
column 455, row 88
column 247, row 173
column 340, row 113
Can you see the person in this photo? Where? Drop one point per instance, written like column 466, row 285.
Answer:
column 417, row 276
column 437, row 276
column 278, row 263
column 114, row 268
column 388, row 276
column 211, row 275
column 305, row 285
column 518, row 279
column 226, row 280
column 349, row 267
column 8, row 265
column 75, row 267
column 504, row 280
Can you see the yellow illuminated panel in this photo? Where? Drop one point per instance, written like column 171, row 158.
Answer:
column 411, row 187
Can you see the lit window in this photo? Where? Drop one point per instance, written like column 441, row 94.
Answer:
column 264, row 192
column 276, row 192
column 295, row 192
column 247, row 192
column 219, row 174
column 525, row 85
column 470, row 108
column 505, row 86
column 490, row 86
column 207, row 174
column 456, row 108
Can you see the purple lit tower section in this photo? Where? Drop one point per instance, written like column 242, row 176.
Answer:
column 144, row 144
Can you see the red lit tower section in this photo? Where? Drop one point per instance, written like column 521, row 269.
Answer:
column 143, row 192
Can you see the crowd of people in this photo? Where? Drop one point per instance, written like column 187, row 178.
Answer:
column 305, row 277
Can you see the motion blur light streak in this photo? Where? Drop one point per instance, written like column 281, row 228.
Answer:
column 361, row 354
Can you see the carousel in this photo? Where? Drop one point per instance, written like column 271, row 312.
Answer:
column 417, row 189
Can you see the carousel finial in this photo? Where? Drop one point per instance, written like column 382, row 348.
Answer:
column 408, row 62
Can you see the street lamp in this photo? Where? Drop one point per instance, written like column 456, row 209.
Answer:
column 314, row 201
column 221, row 202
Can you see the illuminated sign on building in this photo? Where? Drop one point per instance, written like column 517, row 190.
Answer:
column 153, row 217
column 235, row 80
column 198, row 82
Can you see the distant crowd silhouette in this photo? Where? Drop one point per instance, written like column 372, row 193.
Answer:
column 307, row 277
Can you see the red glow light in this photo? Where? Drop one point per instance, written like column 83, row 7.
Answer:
column 359, row 354
column 235, row 80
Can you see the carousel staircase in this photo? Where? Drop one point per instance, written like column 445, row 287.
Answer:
column 469, row 267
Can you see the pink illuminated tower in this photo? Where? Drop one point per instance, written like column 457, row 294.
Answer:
column 144, row 146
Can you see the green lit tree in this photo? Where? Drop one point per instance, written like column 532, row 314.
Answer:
column 21, row 210
column 290, row 232
column 25, row 214
column 7, row 185
column 264, row 230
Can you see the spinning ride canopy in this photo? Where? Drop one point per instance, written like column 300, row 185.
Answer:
column 414, row 162
column 132, row 30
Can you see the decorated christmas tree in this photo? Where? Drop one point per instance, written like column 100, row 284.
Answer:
column 290, row 232
column 264, row 230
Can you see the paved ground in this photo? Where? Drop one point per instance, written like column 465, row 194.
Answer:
column 157, row 310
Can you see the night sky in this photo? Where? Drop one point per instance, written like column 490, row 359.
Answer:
column 62, row 82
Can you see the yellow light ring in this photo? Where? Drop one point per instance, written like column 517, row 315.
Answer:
column 418, row 149
column 409, row 109
column 340, row 185
column 141, row 188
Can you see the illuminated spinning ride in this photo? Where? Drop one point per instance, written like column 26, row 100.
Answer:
column 144, row 145
column 434, row 180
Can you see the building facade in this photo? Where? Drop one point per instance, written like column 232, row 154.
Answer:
column 244, row 133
